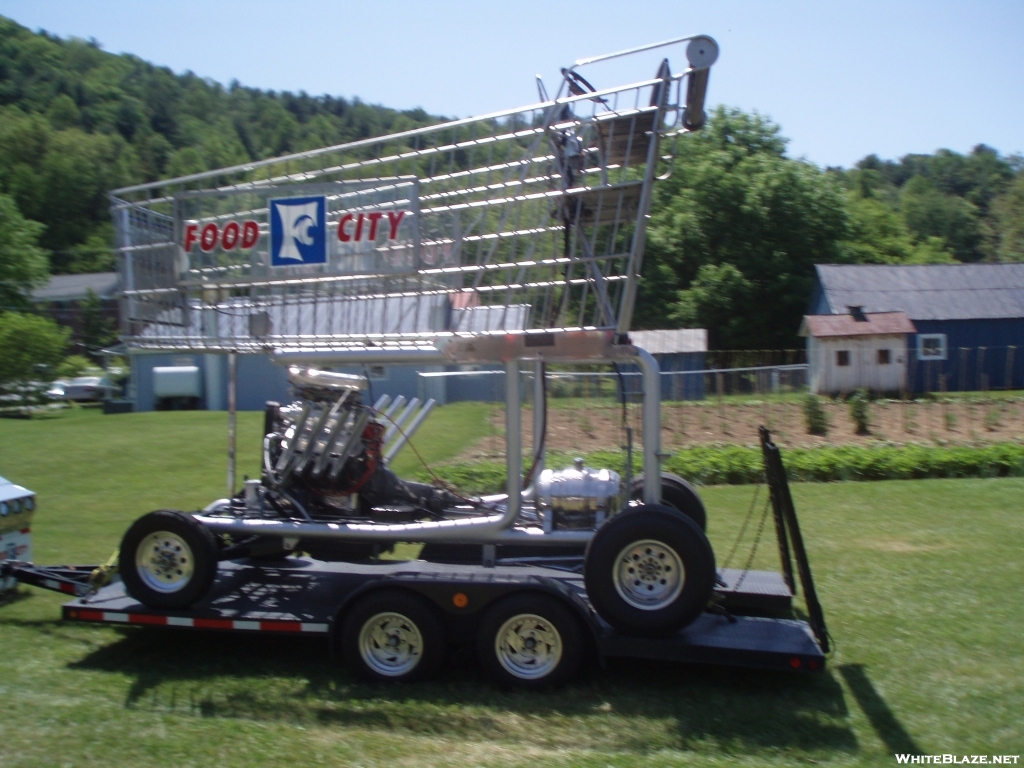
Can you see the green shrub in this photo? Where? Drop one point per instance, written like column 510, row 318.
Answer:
column 741, row 464
column 814, row 414
column 859, row 411
column 73, row 366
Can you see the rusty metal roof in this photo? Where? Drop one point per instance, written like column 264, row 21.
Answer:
column 874, row 324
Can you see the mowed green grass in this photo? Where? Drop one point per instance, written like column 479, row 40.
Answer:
column 920, row 582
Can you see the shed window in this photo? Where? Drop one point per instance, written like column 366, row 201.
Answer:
column 883, row 357
column 931, row 346
column 842, row 357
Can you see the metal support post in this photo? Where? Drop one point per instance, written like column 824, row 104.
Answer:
column 652, row 425
column 232, row 418
column 513, row 439
column 539, row 404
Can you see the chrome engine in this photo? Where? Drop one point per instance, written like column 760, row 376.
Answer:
column 322, row 453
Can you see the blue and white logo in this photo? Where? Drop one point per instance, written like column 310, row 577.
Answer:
column 298, row 231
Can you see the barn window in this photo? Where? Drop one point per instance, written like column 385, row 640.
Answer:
column 931, row 346
column 883, row 357
column 842, row 357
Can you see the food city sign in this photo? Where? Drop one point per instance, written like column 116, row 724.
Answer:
column 300, row 229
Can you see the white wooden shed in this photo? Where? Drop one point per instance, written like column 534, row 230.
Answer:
column 858, row 350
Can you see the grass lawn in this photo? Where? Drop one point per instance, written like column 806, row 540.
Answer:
column 920, row 581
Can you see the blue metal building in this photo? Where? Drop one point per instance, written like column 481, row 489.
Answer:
column 260, row 380
column 969, row 317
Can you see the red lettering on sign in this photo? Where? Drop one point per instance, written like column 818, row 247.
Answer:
column 395, row 219
column 190, row 236
column 374, row 218
column 250, row 234
column 359, row 228
column 342, row 234
column 229, row 237
column 208, row 239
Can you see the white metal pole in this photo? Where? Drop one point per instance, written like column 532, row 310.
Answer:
column 232, row 418
column 513, row 439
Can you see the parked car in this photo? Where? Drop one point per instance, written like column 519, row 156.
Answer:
column 90, row 388
column 56, row 389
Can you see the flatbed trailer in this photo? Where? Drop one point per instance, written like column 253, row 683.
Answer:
column 300, row 595
column 532, row 624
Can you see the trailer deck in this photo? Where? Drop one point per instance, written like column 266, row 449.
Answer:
column 302, row 595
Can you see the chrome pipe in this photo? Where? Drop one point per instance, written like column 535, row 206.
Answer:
column 395, row 405
column 368, row 355
column 399, row 421
column 406, row 435
column 652, row 425
column 513, row 441
column 469, row 530
column 286, row 457
column 355, row 435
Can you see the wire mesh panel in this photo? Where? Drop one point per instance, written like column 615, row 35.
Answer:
column 528, row 219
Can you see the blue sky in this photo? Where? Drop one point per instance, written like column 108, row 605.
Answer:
column 843, row 79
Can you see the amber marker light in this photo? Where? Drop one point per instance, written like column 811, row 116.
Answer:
column 459, row 600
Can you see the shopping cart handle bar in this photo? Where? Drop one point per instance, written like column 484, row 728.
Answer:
column 648, row 47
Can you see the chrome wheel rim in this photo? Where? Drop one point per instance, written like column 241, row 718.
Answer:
column 164, row 562
column 648, row 575
column 528, row 646
column 390, row 644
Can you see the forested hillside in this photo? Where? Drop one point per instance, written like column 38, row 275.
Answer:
column 734, row 235
column 76, row 122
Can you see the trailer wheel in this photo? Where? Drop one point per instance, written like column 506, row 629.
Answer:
column 529, row 641
column 650, row 569
column 678, row 494
column 392, row 636
column 168, row 559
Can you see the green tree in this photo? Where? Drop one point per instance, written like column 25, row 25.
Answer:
column 928, row 212
column 1009, row 215
column 76, row 122
column 735, row 233
column 878, row 235
column 23, row 265
column 30, row 349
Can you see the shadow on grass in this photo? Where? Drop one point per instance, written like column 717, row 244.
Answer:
column 11, row 596
column 635, row 706
column 886, row 725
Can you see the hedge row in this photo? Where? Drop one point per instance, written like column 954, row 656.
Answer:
column 738, row 464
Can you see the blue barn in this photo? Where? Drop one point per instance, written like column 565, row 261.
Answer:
column 969, row 317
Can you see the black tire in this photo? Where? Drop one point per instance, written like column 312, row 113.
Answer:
column 649, row 570
column 168, row 559
column 406, row 620
column 678, row 494
column 529, row 641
